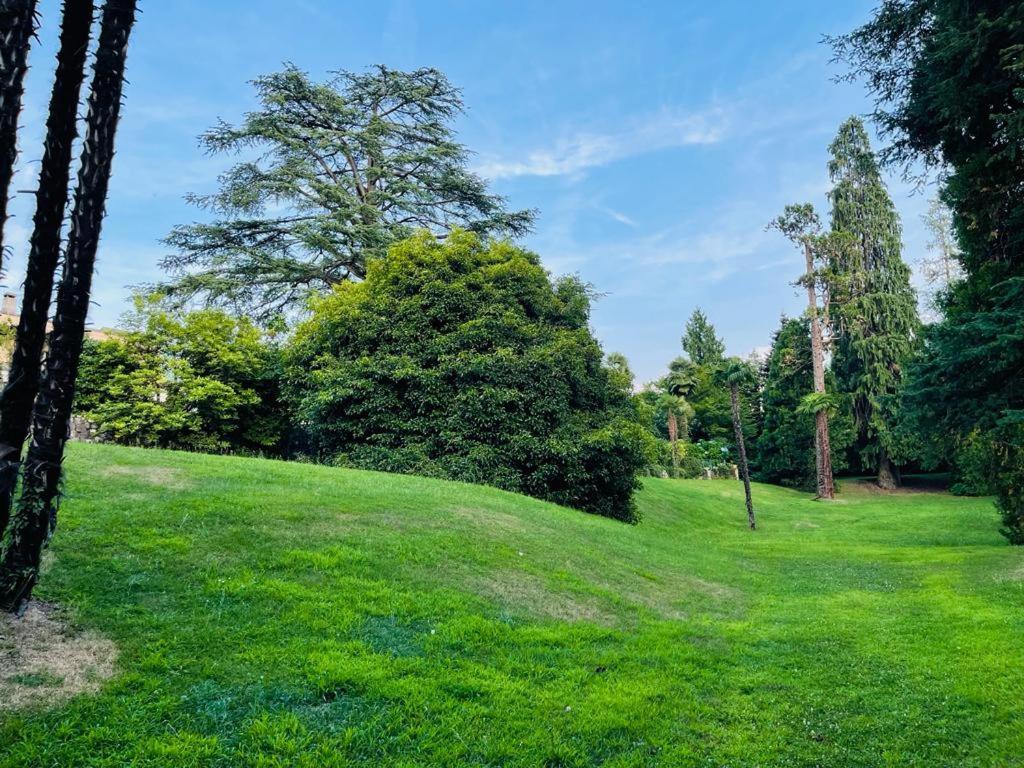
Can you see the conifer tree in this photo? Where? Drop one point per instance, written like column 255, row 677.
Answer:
column 700, row 341
column 339, row 171
column 873, row 306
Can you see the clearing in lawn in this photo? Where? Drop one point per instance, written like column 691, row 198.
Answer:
column 274, row 614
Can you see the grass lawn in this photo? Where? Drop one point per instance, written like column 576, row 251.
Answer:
column 273, row 614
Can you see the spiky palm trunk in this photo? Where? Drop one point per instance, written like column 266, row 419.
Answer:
column 822, row 444
column 737, row 425
column 673, row 438
column 44, row 250
column 17, row 25
column 36, row 514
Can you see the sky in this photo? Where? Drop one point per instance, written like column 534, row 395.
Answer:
column 656, row 139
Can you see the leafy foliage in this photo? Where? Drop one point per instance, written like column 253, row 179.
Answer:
column 201, row 381
column 464, row 360
column 334, row 174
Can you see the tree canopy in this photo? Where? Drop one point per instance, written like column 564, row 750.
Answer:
column 462, row 359
column 332, row 174
column 200, row 381
column 700, row 341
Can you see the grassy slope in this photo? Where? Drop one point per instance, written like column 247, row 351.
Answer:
column 276, row 614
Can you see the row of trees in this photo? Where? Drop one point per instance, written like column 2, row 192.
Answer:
column 40, row 393
column 830, row 394
column 459, row 357
column 862, row 310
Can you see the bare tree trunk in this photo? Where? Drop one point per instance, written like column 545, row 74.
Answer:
column 822, row 446
column 37, row 508
column 888, row 473
column 44, row 251
column 17, row 26
column 673, row 438
column 737, row 425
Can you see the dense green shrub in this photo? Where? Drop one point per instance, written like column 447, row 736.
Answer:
column 201, row 381
column 464, row 360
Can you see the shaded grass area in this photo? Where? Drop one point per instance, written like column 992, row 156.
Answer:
column 272, row 614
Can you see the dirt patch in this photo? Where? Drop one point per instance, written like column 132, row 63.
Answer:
column 1016, row 574
column 162, row 477
column 523, row 592
column 43, row 661
column 499, row 521
column 911, row 485
column 671, row 596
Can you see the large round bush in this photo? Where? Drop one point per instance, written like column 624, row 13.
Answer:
column 464, row 360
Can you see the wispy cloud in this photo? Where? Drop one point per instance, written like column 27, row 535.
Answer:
column 581, row 150
column 619, row 216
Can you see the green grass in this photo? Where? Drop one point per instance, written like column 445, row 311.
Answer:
column 273, row 614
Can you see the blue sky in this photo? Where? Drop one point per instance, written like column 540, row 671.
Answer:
column 656, row 139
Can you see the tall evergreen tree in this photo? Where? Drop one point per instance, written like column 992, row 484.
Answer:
column 873, row 306
column 17, row 26
column 946, row 78
column 36, row 515
column 345, row 169
column 700, row 341
column 44, row 248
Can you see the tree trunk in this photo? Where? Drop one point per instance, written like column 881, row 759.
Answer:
column 822, row 447
column 823, row 456
column 888, row 473
column 44, row 250
column 17, row 26
column 737, row 425
column 37, row 508
column 673, row 438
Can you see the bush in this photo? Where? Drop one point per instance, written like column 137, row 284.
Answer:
column 465, row 360
column 202, row 381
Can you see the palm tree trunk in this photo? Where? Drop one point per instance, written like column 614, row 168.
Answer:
column 44, row 250
column 37, row 508
column 17, row 26
column 737, row 425
column 822, row 447
column 673, row 438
